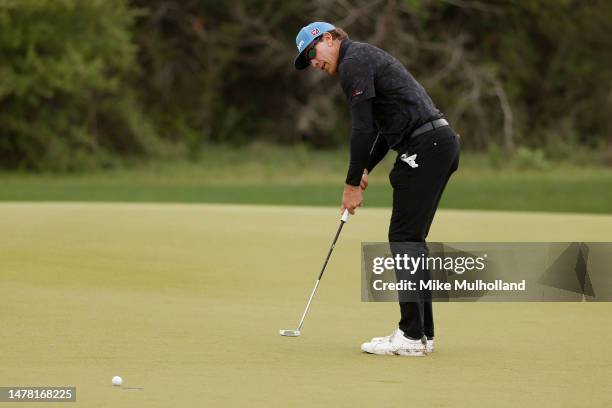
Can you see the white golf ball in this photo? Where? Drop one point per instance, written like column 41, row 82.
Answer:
column 117, row 380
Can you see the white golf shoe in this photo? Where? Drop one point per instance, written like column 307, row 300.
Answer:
column 384, row 338
column 396, row 344
column 429, row 347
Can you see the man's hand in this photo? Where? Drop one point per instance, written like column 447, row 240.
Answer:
column 364, row 180
column 352, row 197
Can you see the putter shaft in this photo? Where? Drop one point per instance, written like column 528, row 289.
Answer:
column 314, row 290
column 343, row 220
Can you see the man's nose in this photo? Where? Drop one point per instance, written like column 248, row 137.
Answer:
column 313, row 62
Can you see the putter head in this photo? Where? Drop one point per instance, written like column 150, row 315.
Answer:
column 290, row 333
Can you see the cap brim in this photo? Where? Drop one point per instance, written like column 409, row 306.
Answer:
column 300, row 62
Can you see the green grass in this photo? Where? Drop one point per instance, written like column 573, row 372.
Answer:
column 185, row 302
column 298, row 176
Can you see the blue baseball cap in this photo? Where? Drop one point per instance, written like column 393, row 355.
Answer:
column 306, row 36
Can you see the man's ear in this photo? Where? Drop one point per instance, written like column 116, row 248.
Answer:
column 328, row 38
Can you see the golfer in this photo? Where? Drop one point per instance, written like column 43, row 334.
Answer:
column 390, row 110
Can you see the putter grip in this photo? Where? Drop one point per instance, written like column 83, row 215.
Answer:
column 345, row 215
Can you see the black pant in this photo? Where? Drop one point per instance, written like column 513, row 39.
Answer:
column 416, row 194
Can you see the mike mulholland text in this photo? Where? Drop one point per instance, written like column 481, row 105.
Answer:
column 498, row 285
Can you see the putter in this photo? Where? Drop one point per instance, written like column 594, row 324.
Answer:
column 296, row 332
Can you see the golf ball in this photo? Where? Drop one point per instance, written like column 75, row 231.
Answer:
column 117, row 380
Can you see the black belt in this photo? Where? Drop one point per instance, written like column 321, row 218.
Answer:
column 434, row 124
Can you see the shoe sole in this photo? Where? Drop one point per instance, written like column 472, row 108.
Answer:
column 383, row 339
column 411, row 353
column 402, row 353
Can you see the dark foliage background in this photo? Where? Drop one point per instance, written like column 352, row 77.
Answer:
column 86, row 83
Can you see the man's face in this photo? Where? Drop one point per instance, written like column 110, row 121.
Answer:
column 326, row 55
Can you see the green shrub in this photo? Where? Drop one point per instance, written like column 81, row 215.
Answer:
column 64, row 92
column 530, row 159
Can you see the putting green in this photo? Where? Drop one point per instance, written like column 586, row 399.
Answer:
column 185, row 303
